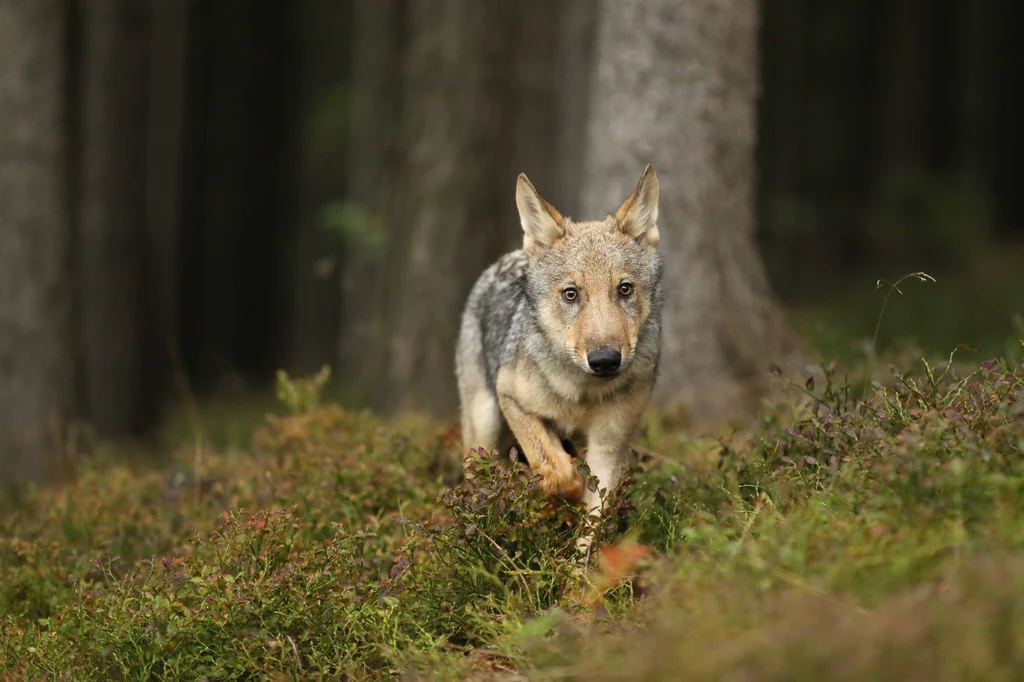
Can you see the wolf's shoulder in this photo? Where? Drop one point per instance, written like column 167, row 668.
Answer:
column 502, row 278
column 499, row 286
column 502, row 283
column 510, row 268
column 493, row 314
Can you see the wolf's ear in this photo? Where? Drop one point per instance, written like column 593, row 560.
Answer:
column 638, row 215
column 542, row 224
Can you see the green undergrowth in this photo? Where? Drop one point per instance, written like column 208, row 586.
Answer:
column 845, row 539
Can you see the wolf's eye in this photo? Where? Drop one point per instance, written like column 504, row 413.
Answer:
column 570, row 294
column 625, row 289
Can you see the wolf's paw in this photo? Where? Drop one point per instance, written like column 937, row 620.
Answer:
column 564, row 483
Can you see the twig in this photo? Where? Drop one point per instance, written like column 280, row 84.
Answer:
column 298, row 659
column 920, row 276
column 503, row 553
column 586, row 565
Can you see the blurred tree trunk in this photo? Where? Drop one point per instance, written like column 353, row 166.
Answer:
column 456, row 72
column 785, row 204
column 36, row 372
column 379, row 44
column 903, row 72
column 113, row 272
column 574, row 59
column 239, row 176
column 1006, row 131
column 214, row 237
column 677, row 84
column 164, row 187
column 321, row 169
column 269, row 75
column 977, row 79
column 533, row 100
column 476, row 107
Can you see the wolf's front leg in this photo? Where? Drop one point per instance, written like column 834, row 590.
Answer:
column 544, row 451
column 607, row 448
column 606, row 462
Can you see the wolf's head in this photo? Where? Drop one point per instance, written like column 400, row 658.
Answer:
column 593, row 284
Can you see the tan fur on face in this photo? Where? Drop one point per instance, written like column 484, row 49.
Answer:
column 600, row 317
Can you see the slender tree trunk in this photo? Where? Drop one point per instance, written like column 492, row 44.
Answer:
column 785, row 203
column 239, row 187
column 36, row 373
column 903, row 70
column 219, row 242
column 677, row 84
column 1006, row 133
column 113, row 272
column 164, row 174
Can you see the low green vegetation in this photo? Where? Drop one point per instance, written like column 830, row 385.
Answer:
column 838, row 538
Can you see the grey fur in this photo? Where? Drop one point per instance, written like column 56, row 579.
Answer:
column 500, row 316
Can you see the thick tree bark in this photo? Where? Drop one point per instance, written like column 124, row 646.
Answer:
column 534, row 101
column 574, row 62
column 113, row 273
column 477, row 106
column 454, row 131
column 36, row 373
column 677, row 84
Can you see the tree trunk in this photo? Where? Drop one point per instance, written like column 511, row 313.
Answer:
column 239, row 181
column 538, row 114
column 903, row 71
column 374, row 167
column 453, row 131
column 1005, row 132
column 321, row 169
column 574, row 59
column 677, row 84
column 164, row 175
column 214, row 134
column 976, row 80
column 36, row 373
column 112, row 271
column 478, row 106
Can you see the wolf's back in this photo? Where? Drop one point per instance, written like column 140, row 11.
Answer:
column 492, row 318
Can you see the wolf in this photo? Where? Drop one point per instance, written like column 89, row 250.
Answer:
column 559, row 341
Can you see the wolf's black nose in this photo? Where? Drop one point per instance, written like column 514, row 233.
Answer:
column 604, row 360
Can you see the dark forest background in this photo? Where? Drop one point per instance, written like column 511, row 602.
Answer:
column 241, row 186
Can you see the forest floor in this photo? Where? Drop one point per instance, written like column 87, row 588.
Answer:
column 847, row 534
